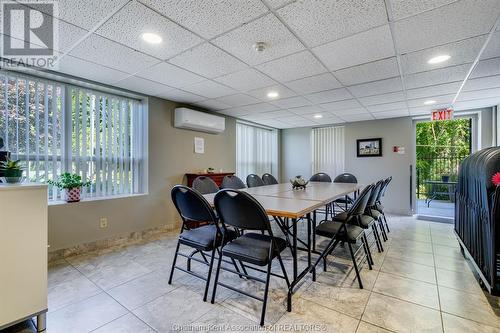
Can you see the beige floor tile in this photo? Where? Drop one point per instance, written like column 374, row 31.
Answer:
column 448, row 251
column 400, row 316
column 222, row 319
column 454, row 324
column 409, row 269
column 452, row 264
column 418, row 292
column 365, row 327
column 126, row 324
column 422, row 258
column 470, row 306
column 73, row 289
column 462, row 280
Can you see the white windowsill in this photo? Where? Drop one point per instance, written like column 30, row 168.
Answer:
column 84, row 200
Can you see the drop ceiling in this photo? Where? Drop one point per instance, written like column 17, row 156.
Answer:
column 330, row 61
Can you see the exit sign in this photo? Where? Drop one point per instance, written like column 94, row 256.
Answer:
column 442, row 114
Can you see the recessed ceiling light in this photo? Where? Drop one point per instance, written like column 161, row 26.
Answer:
column 272, row 94
column 438, row 59
column 151, row 38
column 317, row 116
column 429, row 102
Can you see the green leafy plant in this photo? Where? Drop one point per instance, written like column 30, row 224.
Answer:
column 69, row 181
column 11, row 165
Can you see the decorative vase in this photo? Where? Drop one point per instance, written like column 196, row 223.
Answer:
column 73, row 194
column 13, row 176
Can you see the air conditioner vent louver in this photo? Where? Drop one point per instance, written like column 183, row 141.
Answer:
column 198, row 121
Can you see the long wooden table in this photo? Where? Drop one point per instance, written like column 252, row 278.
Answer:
column 284, row 203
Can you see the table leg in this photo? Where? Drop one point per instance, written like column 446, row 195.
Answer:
column 41, row 322
column 314, row 231
column 294, row 245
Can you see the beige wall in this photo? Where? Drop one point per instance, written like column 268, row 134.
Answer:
column 170, row 157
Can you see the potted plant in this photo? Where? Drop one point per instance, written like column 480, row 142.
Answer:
column 71, row 184
column 11, row 171
column 210, row 170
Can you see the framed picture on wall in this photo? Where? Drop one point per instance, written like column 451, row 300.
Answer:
column 369, row 147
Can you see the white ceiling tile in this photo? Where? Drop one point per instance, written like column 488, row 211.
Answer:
column 357, row 117
column 295, row 120
column 238, row 100
column 478, row 103
column 377, row 87
column 383, row 98
column 364, row 47
column 209, row 89
column 103, row 51
column 261, row 93
column 208, row 60
column 329, row 96
column 482, row 83
column 486, row 68
column 437, row 76
column 440, row 89
column 316, row 83
column 373, row 71
column 441, row 101
column 260, row 107
column 292, row 67
column 404, row 8
column 143, row 86
column 209, row 18
column 275, row 123
column 461, row 52
column 309, row 109
column 391, row 114
column 343, row 112
column 320, row 21
column 180, row 96
column 291, row 102
column 246, row 80
column 387, row 107
column 212, row 104
column 278, row 113
column 90, row 71
column 479, row 94
column 457, row 21
column 128, row 25
column 170, row 75
column 277, row 3
column 268, row 29
column 234, row 111
column 493, row 48
column 422, row 110
column 341, row 105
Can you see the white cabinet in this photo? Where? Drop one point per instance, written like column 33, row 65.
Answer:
column 23, row 253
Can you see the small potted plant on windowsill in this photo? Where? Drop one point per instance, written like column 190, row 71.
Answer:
column 71, row 184
column 11, row 170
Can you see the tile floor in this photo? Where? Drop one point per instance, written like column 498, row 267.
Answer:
column 420, row 283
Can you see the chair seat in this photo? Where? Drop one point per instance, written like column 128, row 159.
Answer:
column 375, row 214
column 330, row 228
column 379, row 207
column 344, row 200
column 202, row 238
column 253, row 248
column 341, row 217
column 366, row 221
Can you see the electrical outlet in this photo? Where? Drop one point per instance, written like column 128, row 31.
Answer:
column 104, row 222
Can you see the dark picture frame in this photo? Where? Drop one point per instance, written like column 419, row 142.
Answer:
column 369, row 147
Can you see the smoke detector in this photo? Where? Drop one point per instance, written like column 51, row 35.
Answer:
column 259, row 46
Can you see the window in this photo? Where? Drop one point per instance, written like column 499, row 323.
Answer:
column 55, row 127
column 328, row 150
column 256, row 150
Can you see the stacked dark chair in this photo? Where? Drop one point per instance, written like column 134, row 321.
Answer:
column 240, row 210
column 269, row 179
column 346, row 229
column 205, row 185
column 193, row 207
column 323, row 178
column 372, row 212
column 254, row 180
column 343, row 203
column 232, row 182
column 378, row 204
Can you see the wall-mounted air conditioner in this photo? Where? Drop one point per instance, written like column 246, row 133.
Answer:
column 198, row 121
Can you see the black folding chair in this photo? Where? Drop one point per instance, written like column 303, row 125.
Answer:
column 240, row 210
column 205, row 185
column 232, row 182
column 347, row 231
column 375, row 214
column 378, row 204
column 193, row 207
column 323, row 178
column 343, row 203
column 254, row 180
column 269, row 179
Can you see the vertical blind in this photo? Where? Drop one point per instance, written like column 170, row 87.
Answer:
column 53, row 128
column 256, row 150
column 328, row 150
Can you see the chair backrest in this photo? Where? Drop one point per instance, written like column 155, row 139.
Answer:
column 233, row 182
column 205, row 185
column 191, row 205
column 346, row 178
column 320, row 177
column 269, row 179
column 382, row 189
column 386, row 185
column 239, row 209
column 359, row 205
column 254, row 180
column 374, row 195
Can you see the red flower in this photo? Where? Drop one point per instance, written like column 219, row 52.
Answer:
column 496, row 179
